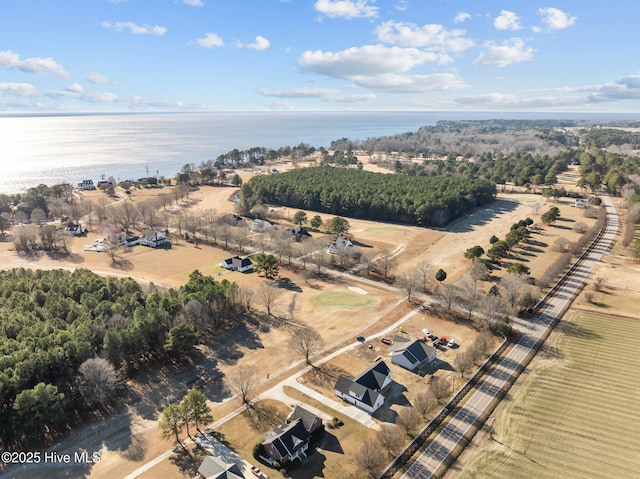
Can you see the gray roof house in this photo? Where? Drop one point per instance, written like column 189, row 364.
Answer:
column 237, row 264
column 214, row 468
column 411, row 354
column 364, row 391
column 290, row 441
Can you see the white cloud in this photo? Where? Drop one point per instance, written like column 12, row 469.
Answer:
column 510, row 51
column 134, row 28
column 194, row 3
column 304, row 92
column 75, row 88
column 210, row 40
column 97, row 78
column 627, row 88
column 279, row 105
column 508, row 101
column 346, row 8
column 260, row 43
column 412, row 83
column 556, row 19
column 507, row 21
column 18, row 89
column 327, row 94
column 40, row 66
column 362, row 61
column 432, row 36
column 402, row 5
column 461, row 17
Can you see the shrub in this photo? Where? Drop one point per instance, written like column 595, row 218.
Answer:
column 258, row 450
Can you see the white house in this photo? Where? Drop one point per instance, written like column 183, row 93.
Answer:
column 364, row 392
column 86, row 185
column 152, row 239
column 339, row 244
column 237, row 263
column 411, row 354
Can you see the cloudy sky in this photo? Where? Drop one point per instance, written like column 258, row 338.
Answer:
column 195, row 55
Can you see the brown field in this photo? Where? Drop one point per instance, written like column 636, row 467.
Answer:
column 573, row 413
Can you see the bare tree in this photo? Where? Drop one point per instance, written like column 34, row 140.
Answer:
column 268, row 296
column 113, row 245
column 242, row 381
column 469, row 295
column 512, row 284
column 492, row 308
column 97, row 381
column 425, row 272
column 369, row 459
column 385, row 263
column 241, row 237
column 440, row 387
column 195, row 314
column 480, row 346
column 424, row 402
column 391, row 438
column 447, row 294
column 306, row 342
column 409, row 419
column 409, row 284
column 125, row 215
column 463, row 362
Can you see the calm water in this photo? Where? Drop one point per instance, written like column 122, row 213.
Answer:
column 55, row 149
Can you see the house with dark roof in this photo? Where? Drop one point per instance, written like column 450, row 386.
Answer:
column 411, row 354
column 365, row 391
column 299, row 233
column 290, row 441
column 214, row 468
column 237, row 264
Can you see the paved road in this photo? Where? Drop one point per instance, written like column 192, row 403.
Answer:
column 433, row 460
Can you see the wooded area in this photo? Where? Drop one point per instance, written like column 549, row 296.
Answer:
column 53, row 321
column 426, row 201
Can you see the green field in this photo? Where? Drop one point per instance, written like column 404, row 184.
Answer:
column 381, row 230
column 342, row 300
column 575, row 414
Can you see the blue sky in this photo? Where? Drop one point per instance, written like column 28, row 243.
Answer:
column 202, row 55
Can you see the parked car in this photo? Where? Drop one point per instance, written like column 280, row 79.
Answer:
column 360, row 339
column 386, row 341
column 451, row 343
column 426, row 332
column 436, row 343
column 443, row 340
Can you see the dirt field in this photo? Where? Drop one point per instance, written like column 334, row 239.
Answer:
column 572, row 415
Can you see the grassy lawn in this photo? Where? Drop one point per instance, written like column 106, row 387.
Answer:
column 380, row 230
column 574, row 415
column 342, row 300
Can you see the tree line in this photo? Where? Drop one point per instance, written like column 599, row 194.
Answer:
column 426, row 201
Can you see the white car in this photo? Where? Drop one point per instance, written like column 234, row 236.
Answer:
column 426, row 332
column 451, row 343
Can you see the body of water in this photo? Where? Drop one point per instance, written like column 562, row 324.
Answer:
column 56, row 149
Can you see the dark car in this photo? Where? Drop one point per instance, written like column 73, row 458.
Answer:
column 360, row 339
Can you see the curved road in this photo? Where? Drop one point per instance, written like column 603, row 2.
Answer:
column 439, row 454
